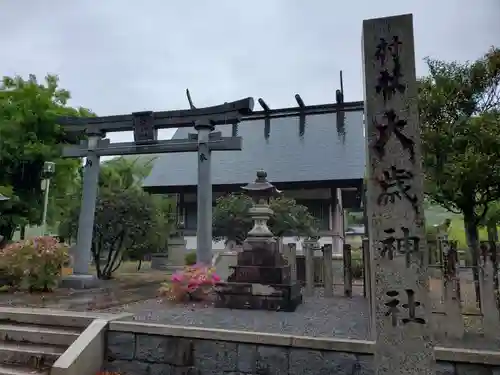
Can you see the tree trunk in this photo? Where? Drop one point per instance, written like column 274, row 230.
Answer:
column 7, row 231
column 472, row 234
column 139, row 265
column 492, row 233
column 492, row 240
column 23, row 232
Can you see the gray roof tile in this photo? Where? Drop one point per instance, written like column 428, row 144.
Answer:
column 319, row 155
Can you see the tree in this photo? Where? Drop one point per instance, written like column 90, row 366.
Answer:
column 231, row 220
column 491, row 222
column 29, row 136
column 122, row 221
column 460, row 117
column 125, row 173
column 129, row 223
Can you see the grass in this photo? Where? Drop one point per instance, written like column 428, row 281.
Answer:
column 128, row 274
column 436, row 215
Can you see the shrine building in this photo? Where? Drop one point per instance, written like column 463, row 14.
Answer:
column 315, row 154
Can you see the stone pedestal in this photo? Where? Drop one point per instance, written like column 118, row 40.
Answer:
column 261, row 280
column 174, row 259
column 79, row 281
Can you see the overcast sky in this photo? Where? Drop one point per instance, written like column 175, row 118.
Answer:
column 122, row 56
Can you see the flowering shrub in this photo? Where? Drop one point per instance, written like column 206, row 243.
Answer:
column 34, row 264
column 192, row 283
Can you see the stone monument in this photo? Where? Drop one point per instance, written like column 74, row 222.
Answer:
column 262, row 278
column 398, row 249
column 175, row 257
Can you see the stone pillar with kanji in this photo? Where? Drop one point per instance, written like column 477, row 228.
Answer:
column 400, row 299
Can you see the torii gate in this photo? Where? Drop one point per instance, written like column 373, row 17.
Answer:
column 145, row 126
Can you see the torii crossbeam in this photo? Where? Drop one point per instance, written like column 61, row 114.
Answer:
column 145, row 126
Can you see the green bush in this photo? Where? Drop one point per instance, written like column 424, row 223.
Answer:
column 356, row 254
column 190, row 258
column 357, row 268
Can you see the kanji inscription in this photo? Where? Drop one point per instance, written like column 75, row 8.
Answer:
column 396, row 184
column 389, row 125
column 389, row 80
column 144, row 130
column 407, row 245
column 394, row 311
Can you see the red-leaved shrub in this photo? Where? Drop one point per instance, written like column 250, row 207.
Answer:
column 34, row 264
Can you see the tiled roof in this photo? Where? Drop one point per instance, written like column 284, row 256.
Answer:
column 320, row 154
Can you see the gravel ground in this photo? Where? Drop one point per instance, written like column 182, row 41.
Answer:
column 338, row 317
column 317, row 317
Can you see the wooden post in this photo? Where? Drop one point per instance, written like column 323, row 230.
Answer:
column 398, row 246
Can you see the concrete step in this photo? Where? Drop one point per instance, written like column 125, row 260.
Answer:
column 20, row 370
column 49, row 317
column 35, row 356
column 36, row 334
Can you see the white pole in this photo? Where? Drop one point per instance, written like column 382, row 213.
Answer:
column 45, row 206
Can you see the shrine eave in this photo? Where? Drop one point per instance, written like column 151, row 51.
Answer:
column 324, row 148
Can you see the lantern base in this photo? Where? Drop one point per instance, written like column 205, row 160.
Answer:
column 260, row 280
column 249, row 296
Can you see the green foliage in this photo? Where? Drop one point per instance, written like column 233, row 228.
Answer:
column 357, row 268
column 124, row 173
column 460, row 117
column 129, row 223
column 355, row 218
column 230, row 217
column 34, row 264
column 29, row 136
column 190, row 258
column 232, row 222
column 492, row 217
column 291, row 218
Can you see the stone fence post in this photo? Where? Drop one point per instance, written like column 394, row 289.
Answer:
column 328, row 269
column 489, row 308
column 290, row 254
column 309, row 247
column 347, row 270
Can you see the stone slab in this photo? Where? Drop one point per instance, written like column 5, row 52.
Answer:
column 79, row 281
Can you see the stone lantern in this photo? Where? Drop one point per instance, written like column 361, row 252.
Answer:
column 260, row 191
column 261, row 279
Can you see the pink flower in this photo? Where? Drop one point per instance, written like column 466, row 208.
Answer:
column 215, row 277
column 177, row 277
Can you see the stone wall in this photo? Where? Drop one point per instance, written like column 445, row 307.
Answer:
column 141, row 353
